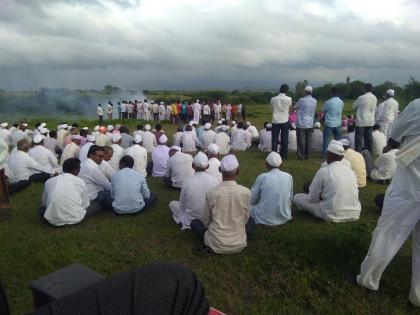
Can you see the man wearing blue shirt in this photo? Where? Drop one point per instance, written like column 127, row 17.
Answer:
column 129, row 189
column 333, row 111
column 305, row 109
column 272, row 194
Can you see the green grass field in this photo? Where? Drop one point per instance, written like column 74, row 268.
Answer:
column 297, row 268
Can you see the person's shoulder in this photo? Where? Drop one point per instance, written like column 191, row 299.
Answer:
column 243, row 190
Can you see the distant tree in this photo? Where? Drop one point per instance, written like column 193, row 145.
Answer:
column 412, row 89
column 110, row 90
column 355, row 89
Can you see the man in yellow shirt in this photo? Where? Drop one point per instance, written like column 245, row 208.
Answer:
column 357, row 163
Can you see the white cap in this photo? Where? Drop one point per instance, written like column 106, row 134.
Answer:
column 161, row 103
column 175, row 147
column 223, row 127
column 192, row 122
column 85, row 128
column 147, row 127
column 96, row 128
column 345, row 142
column 248, row 123
column 163, row 139
column 274, row 159
column 207, row 126
column 269, row 126
column 213, row 148
column 229, row 163
column 201, row 160
column 336, row 147
column 220, row 122
column 43, row 130
column 110, row 127
column 38, row 138
column 233, row 123
column 90, row 138
column 390, row 92
column 308, row 89
column 317, row 125
column 137, row 139
column 24, row 124
column 76, row 137
column 116, row 137
column 4, row 125
column 64, row 126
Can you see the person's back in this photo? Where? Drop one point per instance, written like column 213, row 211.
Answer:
column 44, row 157
column 292, row 145
column 176, row 138
column 149, row 141
column 305, row 109
column 265, row 141
column 271, row 198
column 358, row 165
column 222, row 140
column 189, row 140
column 366, row 108
column 280, row 105
column 339, row 193
column 126, row 140
column 379, row 142
column 208, row 137
column 66, row 199
column 101, row 140
column 139, row 154
column 160, row 157
column 333, row 110
column 240, row 140
column 385, row 166
column 179, row 168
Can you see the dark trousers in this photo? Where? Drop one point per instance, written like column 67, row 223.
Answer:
column 363, row 139
column 40, row 177
column 148, row 202
column 104, row 200
column 156, row 116
column 168, row 182
column 326, row 137
column 283, row 131
column 198, row 228
column 101, row 119
column 303, row 137
column 379, row 200
column 16, row 187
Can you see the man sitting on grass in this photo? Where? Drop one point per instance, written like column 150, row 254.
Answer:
column 65, row 199
column 333, row 193
column 179, row 168
column 226, row 225
column 129, row 189
column 272, row 194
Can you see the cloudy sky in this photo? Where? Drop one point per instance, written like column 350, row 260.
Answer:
column 157, row 44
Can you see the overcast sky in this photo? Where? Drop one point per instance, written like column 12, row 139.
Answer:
column 158, row 44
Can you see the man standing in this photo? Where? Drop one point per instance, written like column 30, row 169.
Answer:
column 193, row 193
column 109, row 109
column 272, row 194
column 100, row 113
column 196, row 107
column 280, row 123
column 333, row 194
column 305, row 109
column 365, row 118
column 390, row 111
column 225, row 225
column 333, row 110
column 400, row 215
column 155, row 110
column 206, row 113
column 129, row 189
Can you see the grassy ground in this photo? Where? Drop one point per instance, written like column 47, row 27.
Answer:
column 297, row 268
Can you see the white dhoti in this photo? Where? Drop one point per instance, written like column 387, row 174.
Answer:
column 196, row 116
column 178, row 215
column 302, row 202
column 400, row 216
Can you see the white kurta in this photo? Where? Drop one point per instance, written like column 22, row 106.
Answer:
column 117, row 154
column 379, row 142
column 222, row 140
column 265, row 141
column 366, row 108
column 213, row 169
column 385, row 166
column 66, row 199
column 160, row 157
column 179, row 168
column 189, row 141
column 45, row 158
column 139, row 154
column 197, row 110
column 208, row 137
column 93, row 177
column 292, row 140
column 71, row 150
column 84, row 151
column 149, row 141
column 22, row 166
column 6, row 136
column 107, row 169
column 240, row 140
column 191, row 199
column 176, row 138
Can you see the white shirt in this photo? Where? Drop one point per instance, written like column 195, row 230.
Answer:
column 71, row 150
column 93, row 177
column 160, row 157
column 240, row 140
column 22, row 166
column 61, row 135
column 189, row 141
column 265, row 141
column 206, row 110
column 390, row 109
column 253, row 131
column 4, row 153
column 149, row 141
column 385, row 166
column 139, row 154
column 66, row 199
column 99, row 111
column 208, row 137
column 179, row 168
column 379, row 142
column 213, row 169
column 192, row 197
column 366, row 108
column 350, row 137
column 6, row 136
column 84, row 151
column 117, row 154
column 45, row 158
column 280, row 105
column 222, row 140
column 336, row 184
column 107, row 169
column 109, row 109
column 176, row 138
column 18, row 135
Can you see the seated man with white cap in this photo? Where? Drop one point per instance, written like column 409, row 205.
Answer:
column 214, row 163
column 44, row 156
column 149, row 139
column 317, row 138
column 129, row 191
column 265, row 139
column 357, row 163
column 97, row 184
column 272, row 194
column 160, row 156
column 193, row 192
column 208, row 136
column 222, row 140
column 176, row 138
column 65, row 199
column 254, row 133
column 90, row 140
column 189, row 140
column 71, row 150
column 109, row 133
column 179, row 168
column 384, row 167
column 240, row 139
column 62, row 133
column 139, row 154
column 51, row 143
column 226, row 225
column 5, row 133
column 118, row 151
column 333, row 194
column 378, row 140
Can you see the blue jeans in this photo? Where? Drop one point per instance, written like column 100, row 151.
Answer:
column 326, row 137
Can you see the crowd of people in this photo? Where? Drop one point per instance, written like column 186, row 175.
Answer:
column 106, row 169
